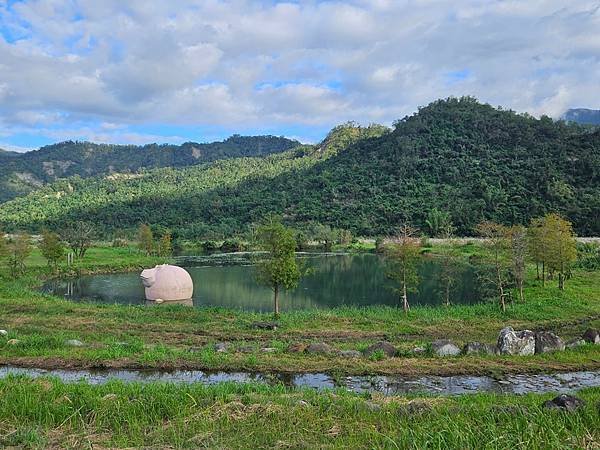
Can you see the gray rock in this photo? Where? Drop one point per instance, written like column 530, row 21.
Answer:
column 388, row 349
column 221, row 347
column 268, row 350
column 477, row 348
column 74, row 343
column 592, row 336
column 511, row 342
column 444, row 347
column 564, row 402
column 3, row 333
column 548, row 342
column 265, row 325
column 349, row 354
column 574, row 343
column 319, row 348
column 419, row 350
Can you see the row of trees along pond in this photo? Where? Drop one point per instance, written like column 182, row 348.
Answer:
column 549, row 242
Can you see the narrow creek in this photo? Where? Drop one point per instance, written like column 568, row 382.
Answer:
column 387, row 385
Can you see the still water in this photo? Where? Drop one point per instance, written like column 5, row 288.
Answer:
column 333, row 280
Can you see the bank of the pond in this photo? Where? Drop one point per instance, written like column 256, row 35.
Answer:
column 171, row 337
column 255, row 415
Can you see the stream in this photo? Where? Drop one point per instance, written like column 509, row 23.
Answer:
column 387, row 385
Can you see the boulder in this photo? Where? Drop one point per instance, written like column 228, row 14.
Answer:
column 444, row 347
column 167, row 283
column 265, row 325
column 319, row 348
column 3, row 333
column 74, row 343
column 511, row 342
column 546, row 341
column 477, row 348
column 221, row 347
column 574, row 343
column 564, row 402
column 592, row 336
column 349, row 354
column 388, row 349
column 419, row 351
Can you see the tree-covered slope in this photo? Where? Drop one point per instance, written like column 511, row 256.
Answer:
column 24, row 172
column 457, row 155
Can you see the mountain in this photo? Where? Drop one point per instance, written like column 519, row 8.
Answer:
column 25, row 172
column 583, row 116
column 455, row 155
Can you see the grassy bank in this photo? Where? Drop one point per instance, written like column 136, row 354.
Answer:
column 179, row 337
column 47, row 413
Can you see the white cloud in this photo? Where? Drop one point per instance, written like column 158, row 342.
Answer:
column 245, row 63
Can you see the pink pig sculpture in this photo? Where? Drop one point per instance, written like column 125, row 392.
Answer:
column 168, row 283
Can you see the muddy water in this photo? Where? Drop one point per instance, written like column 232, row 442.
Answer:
column 388, row 385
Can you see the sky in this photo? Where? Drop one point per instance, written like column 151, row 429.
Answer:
column 141, row 71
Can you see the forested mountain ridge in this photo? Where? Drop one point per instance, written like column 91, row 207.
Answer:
column 22, row 173
column 583, row 116
column 458, row 156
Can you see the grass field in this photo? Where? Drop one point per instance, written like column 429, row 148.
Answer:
column 179, row 337
column 46, row 413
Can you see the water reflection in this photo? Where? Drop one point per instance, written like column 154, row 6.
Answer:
column 353, row 280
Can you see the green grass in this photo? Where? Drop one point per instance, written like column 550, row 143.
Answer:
column 46, row 413
column 181, row 337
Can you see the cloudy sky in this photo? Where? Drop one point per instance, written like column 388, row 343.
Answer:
column 141, row 71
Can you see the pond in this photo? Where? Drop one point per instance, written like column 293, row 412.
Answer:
column 229, row 281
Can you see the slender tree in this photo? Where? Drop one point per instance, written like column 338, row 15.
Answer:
column 79, row 237
column 496, row 242
column 145, row 239
column 448, row 257
column 278, row 269
column 403, row 254
column 562, row 246
column 165, row 247
column 19, row 248
column 538, row 242
column 51, row 248
column 518, row 252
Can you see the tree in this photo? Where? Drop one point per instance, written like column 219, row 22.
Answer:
column 518, row 254
column 165, row 245
column 79, row 237
column 278, row 268
column 51, row 247
column 325, row 235
column 562, row 246
column 448, row 257
column 403, row 254
column 19, row 249
column 145, row 239
column 438, row 222
column 496, row 242
column 537, row 243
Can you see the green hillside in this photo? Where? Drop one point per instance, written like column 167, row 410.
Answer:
column 457, row 155
column 22, row 173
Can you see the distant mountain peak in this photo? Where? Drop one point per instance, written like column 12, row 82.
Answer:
column 583, row 116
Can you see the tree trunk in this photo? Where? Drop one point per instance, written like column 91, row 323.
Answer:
column 447, row 294
column 561, row 281
column 276, row 300
column 521, row 295
column 543, row 273
column 537, row 270
column 405, row 304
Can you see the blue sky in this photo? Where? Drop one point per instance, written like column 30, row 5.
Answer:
column 188, row 70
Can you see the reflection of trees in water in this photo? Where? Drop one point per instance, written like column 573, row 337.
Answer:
column 334, row 280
